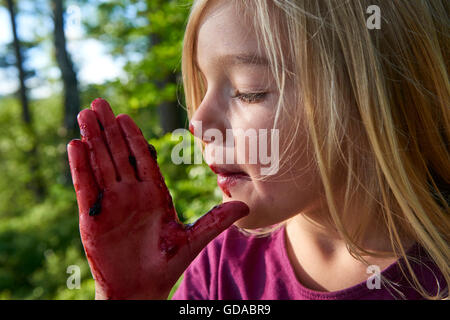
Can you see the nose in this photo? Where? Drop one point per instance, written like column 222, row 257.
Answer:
column 210, row 115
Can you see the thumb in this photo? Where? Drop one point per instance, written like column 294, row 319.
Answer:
column 212, row 223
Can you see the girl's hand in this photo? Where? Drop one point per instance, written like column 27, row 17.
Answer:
column 135, row 245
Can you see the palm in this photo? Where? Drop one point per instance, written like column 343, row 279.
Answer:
column 129, row 228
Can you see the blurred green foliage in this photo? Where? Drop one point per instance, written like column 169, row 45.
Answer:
column 148, row 36
column 39, row 239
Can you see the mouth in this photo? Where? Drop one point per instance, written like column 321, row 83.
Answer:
column 229, row 178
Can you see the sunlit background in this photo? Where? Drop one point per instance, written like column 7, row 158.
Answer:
column 62, row 55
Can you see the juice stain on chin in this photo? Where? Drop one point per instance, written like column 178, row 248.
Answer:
column 226, row 190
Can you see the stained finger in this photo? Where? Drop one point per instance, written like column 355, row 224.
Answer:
column 211, row 224
column 144, row 155
column 100, row 160
column 114, row 139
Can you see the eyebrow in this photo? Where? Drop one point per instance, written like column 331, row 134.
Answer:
column 239, row 59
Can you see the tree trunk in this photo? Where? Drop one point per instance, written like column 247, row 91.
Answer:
column 69, row 78
column 36, row 183
column 170, row 113
column 19, row 65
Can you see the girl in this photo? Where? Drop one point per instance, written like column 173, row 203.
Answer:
column 359, row 205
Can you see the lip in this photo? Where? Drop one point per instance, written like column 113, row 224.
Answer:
column 226, row 171
column 228, row 178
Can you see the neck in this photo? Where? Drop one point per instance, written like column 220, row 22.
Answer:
column 315, row 248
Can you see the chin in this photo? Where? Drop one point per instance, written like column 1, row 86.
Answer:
column 255, row 219
column 262, row 209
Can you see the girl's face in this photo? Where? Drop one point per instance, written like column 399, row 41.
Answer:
column 241, row 96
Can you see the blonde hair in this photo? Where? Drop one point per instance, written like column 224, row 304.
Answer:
column 375, row 102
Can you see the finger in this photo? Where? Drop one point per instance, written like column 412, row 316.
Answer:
column 146, row 165
column 82, row 176
column 115, row 141
column 211, row 224
column 99, row 157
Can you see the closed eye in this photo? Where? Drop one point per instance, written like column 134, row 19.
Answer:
column 250, row 97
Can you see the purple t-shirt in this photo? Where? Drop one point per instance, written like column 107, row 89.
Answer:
column 236, row 267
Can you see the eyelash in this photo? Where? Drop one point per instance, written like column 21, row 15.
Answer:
column 250, row 97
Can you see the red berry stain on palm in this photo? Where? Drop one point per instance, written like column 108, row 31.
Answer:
column 172, row 238
column 97, row 206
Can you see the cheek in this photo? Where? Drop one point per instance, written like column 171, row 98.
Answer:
column 286, row 197
column 256, row 144
column 294, row 189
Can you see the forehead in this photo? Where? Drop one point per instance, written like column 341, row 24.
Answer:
column 226, row 36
